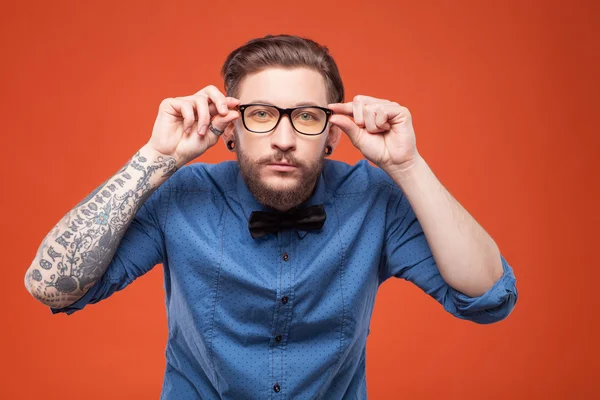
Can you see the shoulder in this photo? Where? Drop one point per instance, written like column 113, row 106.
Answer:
column 205, row 177
column 345, row 179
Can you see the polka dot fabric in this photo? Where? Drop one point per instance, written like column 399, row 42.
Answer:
column 286, row 315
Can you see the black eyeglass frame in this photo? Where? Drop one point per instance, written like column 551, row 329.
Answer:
column 282, row 112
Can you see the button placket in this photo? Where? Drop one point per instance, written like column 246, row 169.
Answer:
column 281, row 311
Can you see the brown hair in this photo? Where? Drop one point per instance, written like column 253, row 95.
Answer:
column 283, row 51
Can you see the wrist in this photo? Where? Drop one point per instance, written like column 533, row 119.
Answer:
column 406, row 170
column 153, row 155
column 148, row 158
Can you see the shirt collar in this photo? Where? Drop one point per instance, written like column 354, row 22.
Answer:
column 250, row 203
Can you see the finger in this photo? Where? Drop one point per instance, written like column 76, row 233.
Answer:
column 232, row 103
column 381, row 120
column 201, row 102
column 372, row 113
column 341, row 108
column 186, row 109
column 369, row 116
column 221, row 122
column 348, row 126
column 217, row 97
column 358, row 111
column 206, row 109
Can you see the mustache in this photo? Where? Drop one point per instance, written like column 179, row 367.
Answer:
column 278, row 157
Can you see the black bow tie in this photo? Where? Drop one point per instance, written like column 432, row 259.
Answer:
column 305, row 219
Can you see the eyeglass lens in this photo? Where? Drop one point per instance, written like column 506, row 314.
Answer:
column 261, row 119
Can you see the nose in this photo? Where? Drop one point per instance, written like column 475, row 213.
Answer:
column 284, row 137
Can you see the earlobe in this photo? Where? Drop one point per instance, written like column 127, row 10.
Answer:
column 227, row 135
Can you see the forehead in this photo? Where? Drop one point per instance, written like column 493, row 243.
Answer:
column 284, row 87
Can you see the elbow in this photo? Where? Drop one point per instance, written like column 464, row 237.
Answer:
column 501, row 312
column 493, row 314
column 49, row 297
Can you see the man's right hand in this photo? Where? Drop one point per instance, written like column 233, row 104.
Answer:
column 181, row 127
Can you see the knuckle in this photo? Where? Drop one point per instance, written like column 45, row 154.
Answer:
column 357, row 99
column 166, row 102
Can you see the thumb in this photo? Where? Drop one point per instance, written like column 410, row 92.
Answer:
column 347, row 125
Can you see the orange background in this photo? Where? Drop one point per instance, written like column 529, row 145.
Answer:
column 502, row 95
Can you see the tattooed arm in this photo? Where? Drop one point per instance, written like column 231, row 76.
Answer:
column 80, row 248
column 76, row 253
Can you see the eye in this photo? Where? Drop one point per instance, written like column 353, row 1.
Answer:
column 261, row 114
column 306, row 116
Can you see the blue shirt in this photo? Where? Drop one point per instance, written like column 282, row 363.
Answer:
column 284, row 316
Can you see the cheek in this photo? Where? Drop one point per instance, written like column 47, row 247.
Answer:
column 311, row 150
column 254, row 148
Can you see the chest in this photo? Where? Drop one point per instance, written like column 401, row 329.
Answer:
column 249, row 291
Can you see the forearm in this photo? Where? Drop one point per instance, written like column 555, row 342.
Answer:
column 76, row 253
column 467, row 257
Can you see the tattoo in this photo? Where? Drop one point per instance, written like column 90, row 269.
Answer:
column 62, row 242
column 52, row 253
column 94, row 230
column 36, row 275
column 89, row 196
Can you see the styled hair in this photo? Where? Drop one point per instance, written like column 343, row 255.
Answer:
column 283, row 51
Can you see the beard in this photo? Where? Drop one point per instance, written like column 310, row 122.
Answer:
column 281, row 199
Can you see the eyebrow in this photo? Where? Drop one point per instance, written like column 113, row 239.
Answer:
column 300, row 104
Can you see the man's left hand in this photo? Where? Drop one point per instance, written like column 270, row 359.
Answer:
column 381, row 130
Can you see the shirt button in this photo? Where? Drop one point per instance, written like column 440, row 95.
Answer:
column 284, row 299
column 276, row 388
column 285, row 257
column 278, row 338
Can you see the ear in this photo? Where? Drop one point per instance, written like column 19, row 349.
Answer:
column 334, row 136
column 228, row 133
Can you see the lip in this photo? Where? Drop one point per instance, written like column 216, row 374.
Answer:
column 282, row 167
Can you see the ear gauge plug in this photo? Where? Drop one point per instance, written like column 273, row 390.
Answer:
column 231, row 145
column 328, row 150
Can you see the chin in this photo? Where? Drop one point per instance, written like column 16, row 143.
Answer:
column 280, row 183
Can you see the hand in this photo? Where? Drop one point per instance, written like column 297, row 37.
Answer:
column 381, row 130
column 180, row 129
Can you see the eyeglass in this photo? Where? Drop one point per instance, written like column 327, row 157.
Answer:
column 263, row 118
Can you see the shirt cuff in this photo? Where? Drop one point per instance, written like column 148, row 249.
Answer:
column 494, row 305
column 88, row 297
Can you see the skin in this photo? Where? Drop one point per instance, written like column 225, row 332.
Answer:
column 467, row 257
column 77, row 251
column 284, row 88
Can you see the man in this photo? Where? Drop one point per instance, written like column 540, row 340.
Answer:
column 272, row 263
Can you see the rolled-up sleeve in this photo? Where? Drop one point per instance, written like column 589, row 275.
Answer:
column 407, row 256
column 141, row 248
